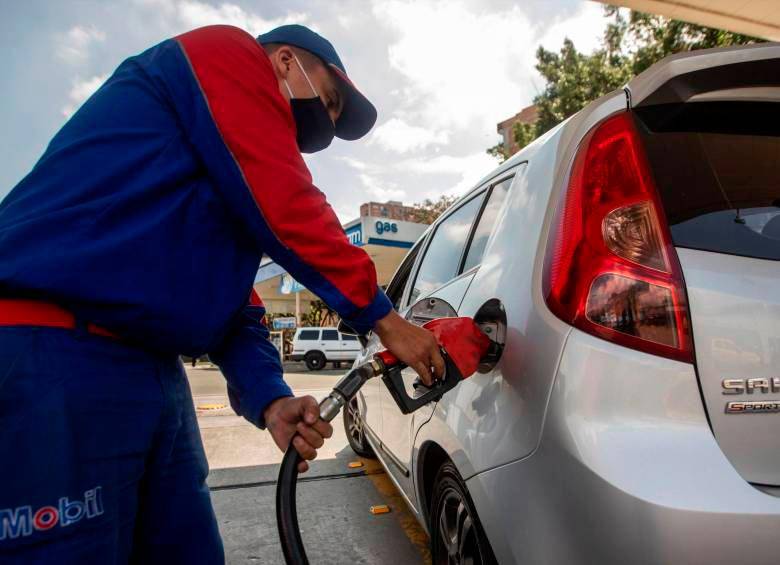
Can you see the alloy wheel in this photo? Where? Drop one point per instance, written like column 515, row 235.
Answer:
column 457, row 536
column 355, row 426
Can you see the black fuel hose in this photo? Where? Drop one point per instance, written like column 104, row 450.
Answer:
column 286, row 510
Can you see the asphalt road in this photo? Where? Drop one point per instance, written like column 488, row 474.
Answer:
column 333, row 499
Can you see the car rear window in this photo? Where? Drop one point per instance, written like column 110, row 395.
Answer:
column 717, row 167
column 309, row 335
column 347, row 337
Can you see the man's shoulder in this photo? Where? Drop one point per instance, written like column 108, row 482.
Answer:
column 219, row 36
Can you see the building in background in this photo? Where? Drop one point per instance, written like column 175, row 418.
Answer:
column 506, row 129
column 382, row 230
column 391, row 209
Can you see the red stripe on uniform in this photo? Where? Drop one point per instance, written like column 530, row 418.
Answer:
column 256, row 124
column 254, row 299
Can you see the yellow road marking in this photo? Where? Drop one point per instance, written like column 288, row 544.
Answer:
column 211, row 406
column 396, row 502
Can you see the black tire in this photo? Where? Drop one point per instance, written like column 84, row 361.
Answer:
column 457, row 536
column 355, row 428
column 315, row 360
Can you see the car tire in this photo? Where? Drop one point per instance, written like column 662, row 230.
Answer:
column 355, row 428
column 457, row 535
column 315, row 360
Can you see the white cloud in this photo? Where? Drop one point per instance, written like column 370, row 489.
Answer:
column 469, row 169
column 356, row 164
column 80, row 91
column 585, row 29
column 473, row 67
column 462, row 71
column 381, row 190
column 401, row 137
column 73, row 46
column 183, row 15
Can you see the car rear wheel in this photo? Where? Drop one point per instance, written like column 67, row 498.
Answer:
column 315, row 360
column 457, row 536
column 356, row 430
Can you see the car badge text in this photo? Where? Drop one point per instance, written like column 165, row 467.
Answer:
column 761, row 385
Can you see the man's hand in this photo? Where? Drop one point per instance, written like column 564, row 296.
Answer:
column 285, row 416
column 413, row 345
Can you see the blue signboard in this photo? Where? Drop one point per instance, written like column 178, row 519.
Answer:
column 284, row 323
column 355, row 234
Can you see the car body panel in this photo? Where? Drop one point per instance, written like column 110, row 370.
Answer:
column 627, row 471
column 735, row 313
column 691, row 74
column 575, row 449
column 498, row 416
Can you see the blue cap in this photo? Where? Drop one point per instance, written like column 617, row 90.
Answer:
column 358, row 115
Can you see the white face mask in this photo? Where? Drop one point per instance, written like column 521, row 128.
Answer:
column 289, row 90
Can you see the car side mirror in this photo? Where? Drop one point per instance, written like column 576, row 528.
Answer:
column 346, row 329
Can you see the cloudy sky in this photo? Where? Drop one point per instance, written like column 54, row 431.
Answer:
column 442, row 73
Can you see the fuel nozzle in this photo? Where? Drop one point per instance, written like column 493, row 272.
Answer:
column 346, row 388
column 463, row 346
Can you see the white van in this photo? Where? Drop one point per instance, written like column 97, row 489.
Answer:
column 317, row 346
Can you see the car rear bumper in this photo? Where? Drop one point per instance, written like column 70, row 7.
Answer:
column 297, row 357
column 627, row 471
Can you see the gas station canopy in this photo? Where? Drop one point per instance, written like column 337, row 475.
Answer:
column 760, row 18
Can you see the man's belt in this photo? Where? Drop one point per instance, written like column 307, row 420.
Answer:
column 19, row 312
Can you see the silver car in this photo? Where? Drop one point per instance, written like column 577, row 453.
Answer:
column 629, row 260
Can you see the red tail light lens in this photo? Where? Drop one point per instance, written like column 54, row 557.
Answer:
column 611, row 269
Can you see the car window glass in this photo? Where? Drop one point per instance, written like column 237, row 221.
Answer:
column 716, row 166
column 442, row 258
column 309, row 335
column 330, row 335
column 347, row 337
column 395, row 290
column 486, row 223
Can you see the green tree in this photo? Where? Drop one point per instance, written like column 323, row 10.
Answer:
column 656, row 37
column 319, row 314
column 523, row 134
column 574, row 79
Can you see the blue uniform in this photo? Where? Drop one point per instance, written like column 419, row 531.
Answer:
column 148, row 215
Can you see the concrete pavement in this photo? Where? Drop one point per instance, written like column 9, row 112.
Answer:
column 333, row 500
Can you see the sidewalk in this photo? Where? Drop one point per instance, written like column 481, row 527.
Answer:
column 333, row 500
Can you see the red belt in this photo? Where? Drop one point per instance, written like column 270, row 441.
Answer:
column 15, row 312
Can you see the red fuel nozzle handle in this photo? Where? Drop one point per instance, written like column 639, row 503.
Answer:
column 389, row 361
column 461, row 338
column 463, row 346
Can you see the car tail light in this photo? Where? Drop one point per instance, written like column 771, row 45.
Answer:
column 611, row 269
